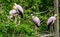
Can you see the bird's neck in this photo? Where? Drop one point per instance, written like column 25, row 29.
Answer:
column 15, row 4
column 56, row 18
column 33, row 16
column 12, row 8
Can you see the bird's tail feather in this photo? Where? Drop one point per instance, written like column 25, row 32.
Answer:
column 48, row 26
column 37, row 25
column 21, row 15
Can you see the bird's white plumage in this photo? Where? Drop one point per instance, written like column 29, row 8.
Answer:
column 18, row 7
column 50, row 22
column 52, row 18
column 12, row 12
column 36, row 20
column 15, row 7
column 55, row 15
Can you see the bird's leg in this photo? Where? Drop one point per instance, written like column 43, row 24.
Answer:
column 19, row 23
column 50, row 29
column 33, row 27
column 15, row 20
column 19, row 20
column 10, row 18
column 36, row 29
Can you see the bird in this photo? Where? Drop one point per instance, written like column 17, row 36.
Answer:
column 12, row 13
column 51, row 21
column 19, row 9
column 36, row 20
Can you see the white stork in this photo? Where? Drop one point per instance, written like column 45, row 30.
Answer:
column 51, row 21
column 19, row 9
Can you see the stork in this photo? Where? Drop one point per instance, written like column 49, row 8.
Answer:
column 19, row 9
column 36, row 21
column 51, row 21
column 13, row 13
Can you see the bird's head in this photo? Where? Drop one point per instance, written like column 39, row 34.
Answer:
column 14, row 5
column 55, row 16
column 32, row 15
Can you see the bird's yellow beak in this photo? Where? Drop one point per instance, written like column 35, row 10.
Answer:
column 13, row 7
column 56, row 17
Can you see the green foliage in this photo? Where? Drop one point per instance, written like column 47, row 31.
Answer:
column 8, row 27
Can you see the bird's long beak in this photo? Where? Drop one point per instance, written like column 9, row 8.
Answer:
column 13, row 7
column 56, row 17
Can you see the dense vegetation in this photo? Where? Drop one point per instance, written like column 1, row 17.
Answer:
column 8, row 28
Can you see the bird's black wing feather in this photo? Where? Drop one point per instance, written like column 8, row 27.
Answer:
column 50, row 24
column 20, row 13
column 35, row 23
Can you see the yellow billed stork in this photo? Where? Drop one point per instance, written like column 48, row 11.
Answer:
column 51, row 21
column 19, row 9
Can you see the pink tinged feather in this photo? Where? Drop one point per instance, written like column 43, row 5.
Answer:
column 12, row 12
column 51, row 19
column 36, row 20
column 20, row 8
